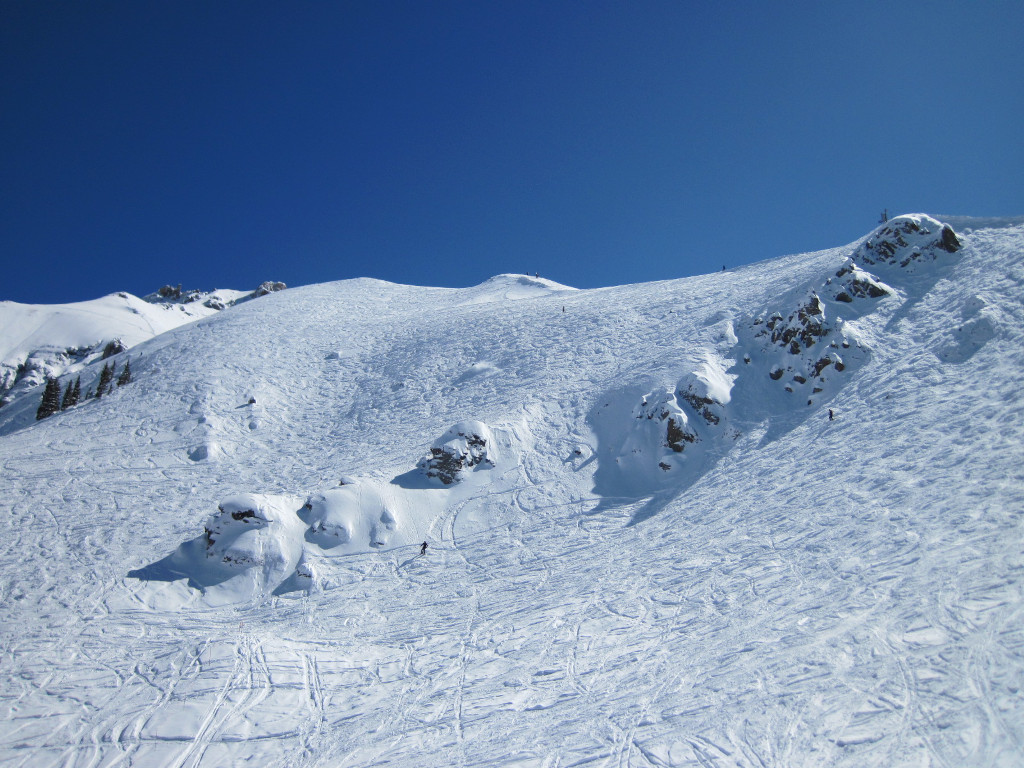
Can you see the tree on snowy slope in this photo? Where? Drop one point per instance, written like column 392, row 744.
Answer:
column 51, row 399
column 105, row 377
column 72, row 394
column 65, row 402
column 126, row 374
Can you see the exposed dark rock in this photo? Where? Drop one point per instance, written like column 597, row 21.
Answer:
column 701, row 405
column 463, row 447
column 948, row 241
column 821, row 365
column 677, row 435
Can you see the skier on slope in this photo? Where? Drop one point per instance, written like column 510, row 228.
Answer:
column 423, row 548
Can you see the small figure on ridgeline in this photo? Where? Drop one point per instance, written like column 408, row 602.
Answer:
column 423, row 548
column 885, row 216
column 831, row 416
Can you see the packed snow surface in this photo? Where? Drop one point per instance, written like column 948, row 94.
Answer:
column 773, row 516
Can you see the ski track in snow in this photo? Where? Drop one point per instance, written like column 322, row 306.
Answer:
column 838, row 594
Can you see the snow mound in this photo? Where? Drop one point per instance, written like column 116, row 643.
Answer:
column 709, row 388
column 250, row 530
column 980, row 324
column 271, row 545
column 256, row 545
column 478, row 370
column 355, row 517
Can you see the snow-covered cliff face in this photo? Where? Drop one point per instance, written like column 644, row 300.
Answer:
column 769, row 516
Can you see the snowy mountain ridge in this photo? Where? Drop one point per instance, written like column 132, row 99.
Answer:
column 770, row 516
column 59, row 340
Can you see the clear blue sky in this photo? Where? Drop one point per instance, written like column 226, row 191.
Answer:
column 219, row 144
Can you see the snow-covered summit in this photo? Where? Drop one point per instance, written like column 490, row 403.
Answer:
column 511, row 288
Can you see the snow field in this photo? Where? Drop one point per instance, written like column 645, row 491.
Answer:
column 804, row 593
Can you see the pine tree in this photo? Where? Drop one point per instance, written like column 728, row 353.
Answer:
column 76, row 394
column 65, row 403
column 105, row 376
column 126, row 374
column 51, row 399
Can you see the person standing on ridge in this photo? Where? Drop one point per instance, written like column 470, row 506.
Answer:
column 831, row 416
column 423, row 548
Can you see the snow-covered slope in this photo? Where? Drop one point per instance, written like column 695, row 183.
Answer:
column 56, row 340
column 763, row 517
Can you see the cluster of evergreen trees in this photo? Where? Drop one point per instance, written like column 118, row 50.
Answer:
column 53, row 401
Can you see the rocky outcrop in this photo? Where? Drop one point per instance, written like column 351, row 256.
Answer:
column 268, row 287
column 216, row 300
column 851, row 283
column 800, row 350
column 801, row 330
column 663, row 409
column 906, row 241
column 803, row 348
column 466, row 446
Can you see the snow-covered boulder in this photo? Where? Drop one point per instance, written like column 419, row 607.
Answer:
column 908, row 241
column 467, row 446
column 247, row 530
column 249, row 546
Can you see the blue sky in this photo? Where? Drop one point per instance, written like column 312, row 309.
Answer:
column 220, row 144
